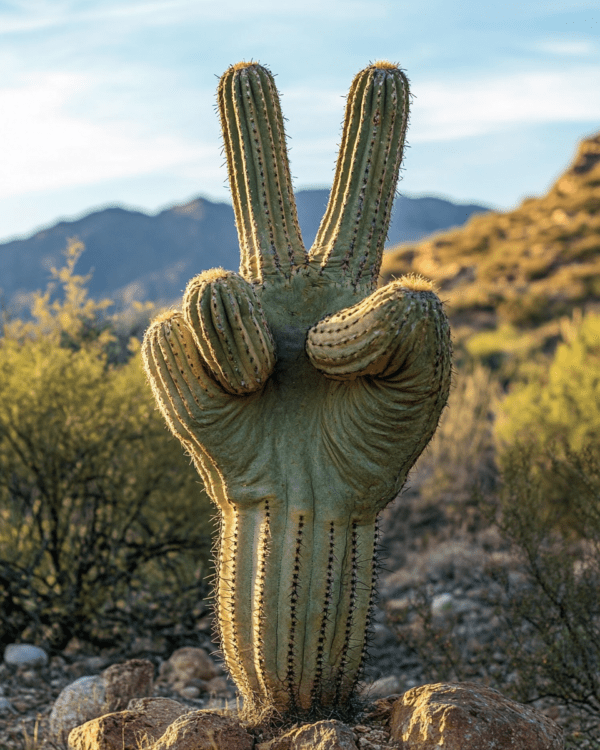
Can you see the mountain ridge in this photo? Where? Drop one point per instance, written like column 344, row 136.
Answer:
column 138, row 256
column 509, row 278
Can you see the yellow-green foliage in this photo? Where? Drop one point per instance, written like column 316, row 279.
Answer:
column 95, row 496
column 461, row 453
column 561, row 401
column 522, row 269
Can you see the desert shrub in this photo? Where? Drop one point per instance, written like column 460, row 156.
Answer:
column 525, row 310
column 104, row 527
column 461, row 453
column 562, row 400
column 556, row 404
column 555, row 633
column 545, row 647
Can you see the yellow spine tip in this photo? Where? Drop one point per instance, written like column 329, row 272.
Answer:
column 243, row 64
column 213, row 274
column 385, row 65
column 165, row 315
column 416, row 283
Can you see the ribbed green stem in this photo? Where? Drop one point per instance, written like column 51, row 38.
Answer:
column 264, row 204
column 230, row 330
column 353, row 231
column 294, row 596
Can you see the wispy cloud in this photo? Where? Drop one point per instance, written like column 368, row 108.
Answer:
column 26, row 15
column 567, row 47
column 45, row 147
column 462, row 108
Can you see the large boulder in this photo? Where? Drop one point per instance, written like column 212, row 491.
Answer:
column 77, row 703
column 322, row 735
column 144, row 721
column 126, row 681
column 96, row 695
column 468, row 715
column 203, row 730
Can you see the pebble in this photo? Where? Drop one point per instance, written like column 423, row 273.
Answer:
column 442, row 604
column 382, row 687
column 25, row 655
column 6, row 706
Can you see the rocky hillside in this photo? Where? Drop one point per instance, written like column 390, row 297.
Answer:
column 508, row 278
column 135, row 256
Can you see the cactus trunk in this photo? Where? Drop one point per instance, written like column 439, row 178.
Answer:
column 303, row 395
column 293, row 601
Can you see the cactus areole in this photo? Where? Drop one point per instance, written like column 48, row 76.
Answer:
column 303, row 393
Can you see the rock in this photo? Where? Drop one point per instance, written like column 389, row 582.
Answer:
column 144, row 721
column 28, row 676
column 217, row 686
column 381, row 687
column 79, row 702
column 442, row 604
column 162, row 706
column 25, row 655
column 6, row 707
column 85, row 667
column 447, row 604
column 130, row 679
column 469, row 715
column 371, row 738
column 90, row 697
column 203, row 730
column 185, row 665
column 322, row 735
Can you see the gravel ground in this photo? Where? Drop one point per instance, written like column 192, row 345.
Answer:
column 424, row 553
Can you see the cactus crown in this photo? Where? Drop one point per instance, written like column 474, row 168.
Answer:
column 244, row 64
column 385, row 65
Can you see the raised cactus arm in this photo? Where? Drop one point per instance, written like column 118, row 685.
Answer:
column 303, row 396
column 259, row 172
column 354, row 229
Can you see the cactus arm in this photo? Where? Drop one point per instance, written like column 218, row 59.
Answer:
column 186, row 394
column 370, row 338
column 264, row 204
column 394, row 351
column 230, row 330
column 188, row 398
column 353, row 231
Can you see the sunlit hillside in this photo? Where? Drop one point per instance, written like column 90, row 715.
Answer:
column 511, row 280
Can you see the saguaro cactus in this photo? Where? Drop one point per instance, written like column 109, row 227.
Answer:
column 303, row 394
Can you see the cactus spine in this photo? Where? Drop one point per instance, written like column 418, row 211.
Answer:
column 303, row 395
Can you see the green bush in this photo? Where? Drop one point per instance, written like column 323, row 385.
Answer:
column 555, row 619
column 562, row 401
column 548, row 630
column 104, row 527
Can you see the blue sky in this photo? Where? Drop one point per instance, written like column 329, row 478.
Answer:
column 112, row 101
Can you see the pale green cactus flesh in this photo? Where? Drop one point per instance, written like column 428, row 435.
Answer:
column 303, row 394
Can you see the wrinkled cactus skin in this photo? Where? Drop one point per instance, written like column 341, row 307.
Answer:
column 303, row 393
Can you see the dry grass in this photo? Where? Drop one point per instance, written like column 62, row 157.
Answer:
column 524, row 268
